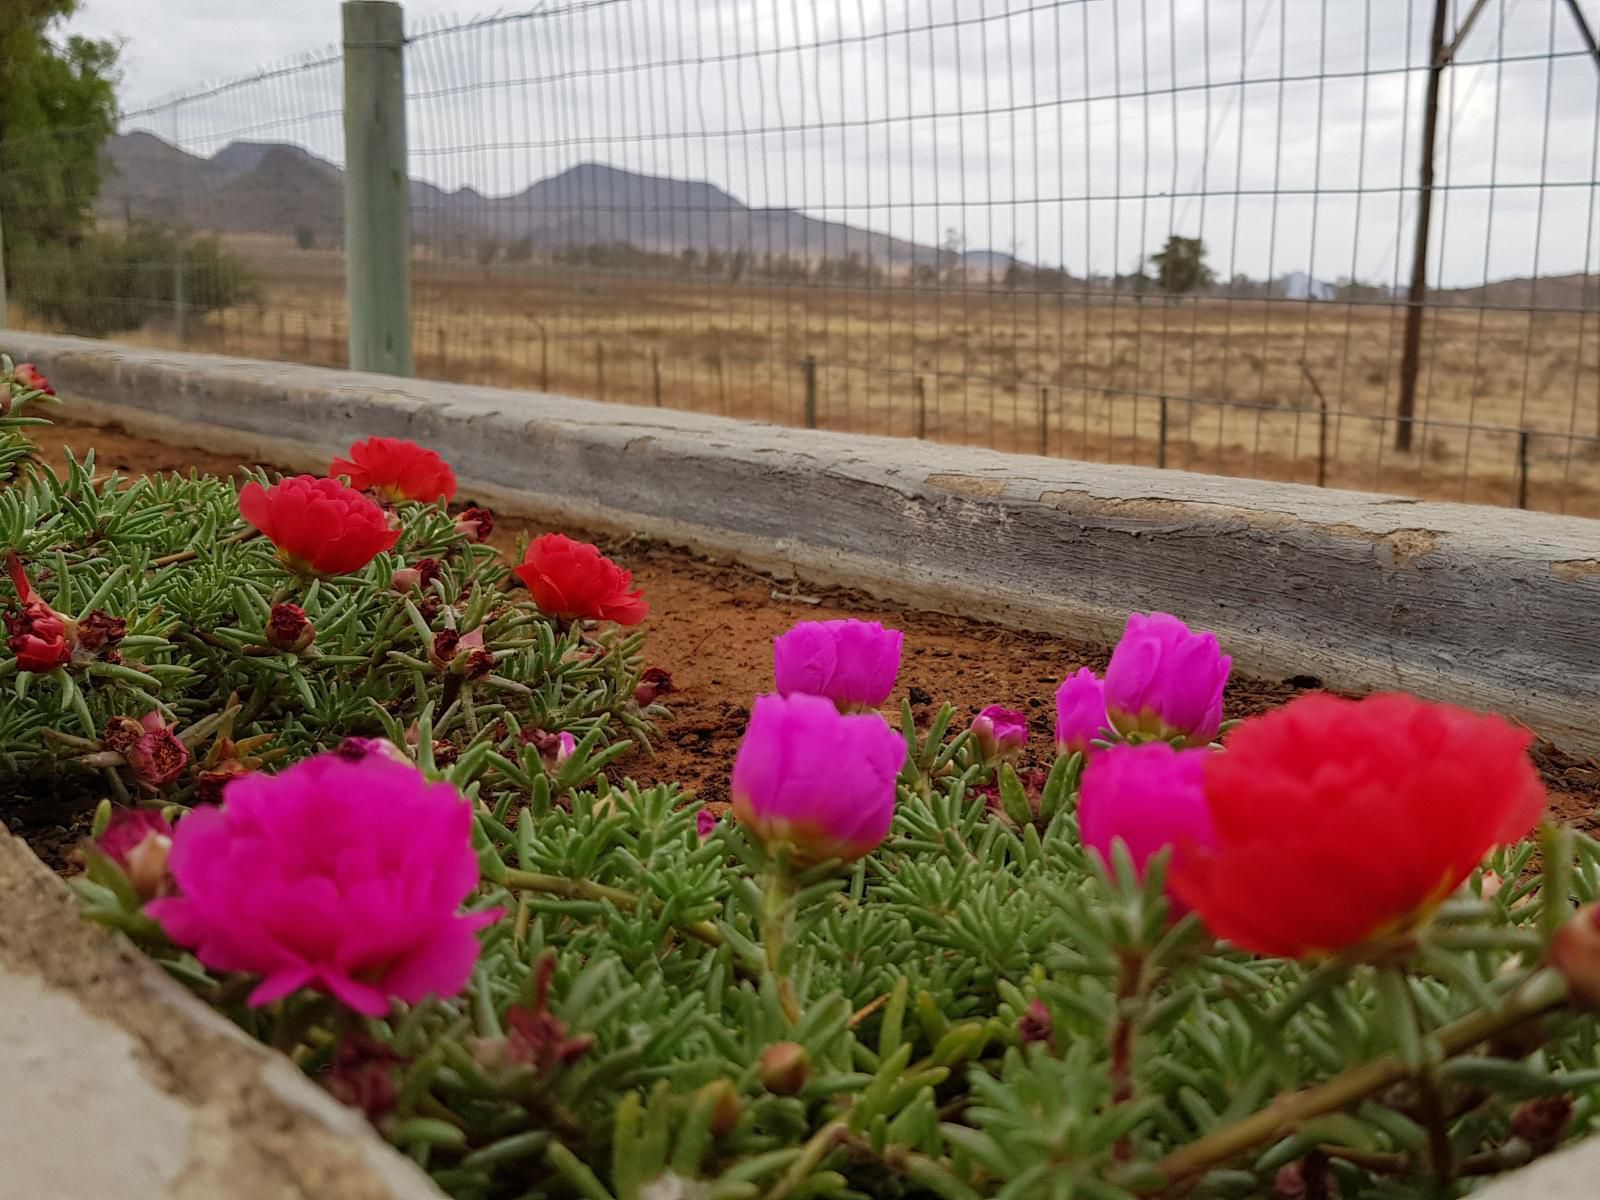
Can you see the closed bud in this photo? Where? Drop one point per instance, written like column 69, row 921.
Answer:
column 1036, row 1024
column 1575, row 951
column 784, row 1068
column 475, row 524
column 289, row 629
column 1542, row 1122
column 147, row 866
column 727, row 1107
column 406, row 579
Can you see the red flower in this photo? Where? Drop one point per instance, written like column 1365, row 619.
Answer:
column 320, row 526
column 40, row 637
column 32, row 379
column 398, row 470
column 288, row 628
column 574, row 581
column 1343, row 821
column 157, row 757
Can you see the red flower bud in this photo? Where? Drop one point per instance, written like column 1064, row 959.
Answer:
column 288, row 628
column 32, row 379
column 1036, row 1024
column 784, row 1068
column 38, row 636
column 475, row 524
column 480, row 663
column 361, row 1075
column 209, row 785
column 726, row 1106
column 1575, row 950
column 1542, row 1122
column 121, row 733
column 656, row 681
column 445, row 644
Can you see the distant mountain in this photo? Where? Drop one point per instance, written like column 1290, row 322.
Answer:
column 255, row 187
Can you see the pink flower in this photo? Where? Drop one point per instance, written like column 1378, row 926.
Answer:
column 814, row 778
column 705, row 823
column 344, row 876
column 1166, row 681
column 1149, row 796
column 1080, row 712
column 1001, row 733
column 852, row 663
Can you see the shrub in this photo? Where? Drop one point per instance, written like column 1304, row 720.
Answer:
column 113, row 280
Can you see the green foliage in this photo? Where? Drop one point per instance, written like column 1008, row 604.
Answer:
column 196, row 586
column 57, row 107
column 113, row 280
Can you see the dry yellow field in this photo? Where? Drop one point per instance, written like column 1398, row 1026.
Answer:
column 1012, row 371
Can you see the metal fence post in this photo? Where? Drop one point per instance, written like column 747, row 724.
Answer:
column 377, row 207
column 809, row 366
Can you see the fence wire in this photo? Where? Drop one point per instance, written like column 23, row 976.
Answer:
column 1162, row 232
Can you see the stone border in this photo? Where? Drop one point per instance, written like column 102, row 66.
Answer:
column 1483, row 606
column 120, row 1083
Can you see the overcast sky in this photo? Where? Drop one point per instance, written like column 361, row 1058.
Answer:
column 1076, row 132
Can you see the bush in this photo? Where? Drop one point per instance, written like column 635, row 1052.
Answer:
column 995, row 988
column 110, row 281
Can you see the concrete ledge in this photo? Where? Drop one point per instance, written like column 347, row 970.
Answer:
column 1486, row 607
column 120, row 1083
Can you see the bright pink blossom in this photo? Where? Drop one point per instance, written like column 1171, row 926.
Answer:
column 817, row 779
column 1149, row 796
column 705, row 823
column 342, row 875
column 852, row 663
column 1001, row 733
column 1166, row 681
column 1080, row 712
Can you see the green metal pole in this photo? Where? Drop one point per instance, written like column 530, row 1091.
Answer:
column 377, row 207
column 2, row 273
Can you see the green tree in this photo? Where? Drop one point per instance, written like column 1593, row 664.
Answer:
column 57, row 107
column 1181, row 266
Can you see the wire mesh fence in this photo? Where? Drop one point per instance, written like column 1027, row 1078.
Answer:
column 1161, row 232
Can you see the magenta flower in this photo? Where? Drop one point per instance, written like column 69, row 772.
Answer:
column 852, row 663
column 341, row 875
column 817, row 779
column 1001, row 733
column 1150, row 796
column 1166, row 681
column 1080, row 712
column 705, row 823
column 139, row 841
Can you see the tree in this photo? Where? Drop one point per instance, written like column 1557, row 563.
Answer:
column 1181, row 266
column 57, row 107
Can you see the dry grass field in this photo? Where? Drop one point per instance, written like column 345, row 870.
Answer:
column 1245, row 381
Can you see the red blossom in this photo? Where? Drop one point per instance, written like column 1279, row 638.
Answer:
column 100, row 630
column 1340, row 822
column 157, row 757
column 574, row 581
column 320, row 526
column 40, row 637
column 397, row 470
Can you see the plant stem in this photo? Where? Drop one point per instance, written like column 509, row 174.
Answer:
column 815, row 1151
column 1538, row 994
column 778, row 910
column 583, row 889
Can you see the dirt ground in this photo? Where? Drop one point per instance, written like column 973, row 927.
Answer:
column 711, row 625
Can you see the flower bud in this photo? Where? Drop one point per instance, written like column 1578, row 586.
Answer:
column 784, row 1068
column 406, row 579
column 158, row 757
column 656, row 681
column 209, row 785
column 32, row 379
column 705, row 823
column 1080, row 712
column 139, row 840
column 475, row 524
column 1542, row 1122
column 289, row 629
column 356, row 748
column 727, row 1106
column 1001, row 733
column 1575, row 951
column 100, row 630
column 445, row 644
column 120, row 734
column 1036, row 1024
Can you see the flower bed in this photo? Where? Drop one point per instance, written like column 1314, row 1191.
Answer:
column 904, row 964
